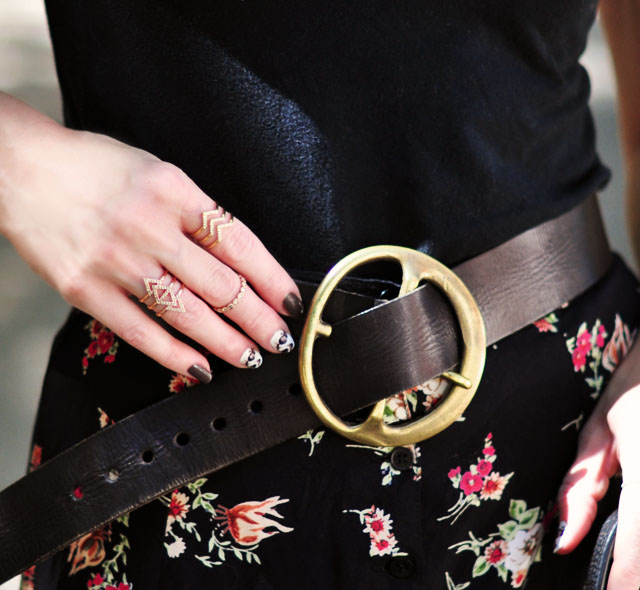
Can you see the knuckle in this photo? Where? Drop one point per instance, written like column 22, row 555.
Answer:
column 241, row 245
column 74, row 290
column 220, row 286
column 192, row 315
column 159, row 176
column 137, row 335
column 258, row 319
column 172, row 351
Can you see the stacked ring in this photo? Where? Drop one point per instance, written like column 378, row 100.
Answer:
column 213, row 222
column 239, row 295
column 163, row 294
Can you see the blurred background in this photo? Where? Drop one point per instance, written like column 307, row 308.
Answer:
column 31, row 311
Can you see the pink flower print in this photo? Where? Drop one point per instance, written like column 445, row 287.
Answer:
column 600, row 336
column 383, row 546
column 120, row 586
column 453, row 473
column 379, row 527
column 493, row 486
column 579, row 359
column 470, row 483
column 489, row 450
column 248, row 522
column 584, row 341
column 97, row 580
column 484, row 467
column 496, row 552
column 377, row 522
column 618, row 346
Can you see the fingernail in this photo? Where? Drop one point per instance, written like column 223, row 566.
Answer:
column 293, row 305
column 251, row 358
column 200, row 373
column 562, row 525
column 282, row 341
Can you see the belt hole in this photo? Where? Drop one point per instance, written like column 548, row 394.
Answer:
column 147, row 456
column 295, row 389
column 77, row 493
column 255, row 407
column 219, row 424
column 113, row 475
column 182, row 439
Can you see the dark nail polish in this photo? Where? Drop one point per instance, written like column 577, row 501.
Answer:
column 200, row 373
column 293, row 305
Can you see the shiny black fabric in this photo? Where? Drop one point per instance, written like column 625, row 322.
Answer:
column 444, row 126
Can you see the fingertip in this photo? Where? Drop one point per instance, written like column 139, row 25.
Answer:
column 293, row 305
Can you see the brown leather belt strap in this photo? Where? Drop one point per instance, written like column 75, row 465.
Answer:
column 370, row 355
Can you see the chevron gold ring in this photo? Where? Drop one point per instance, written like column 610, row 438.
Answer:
column 213, row 222
column 163, row 294
column 239, row 295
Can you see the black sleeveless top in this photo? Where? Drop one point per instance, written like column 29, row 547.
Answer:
column 328, row 126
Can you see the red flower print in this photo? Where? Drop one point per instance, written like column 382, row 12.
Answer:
column 584, row 341
column 518, row 578
column 120, row 586
column 248, row 522
column 453, row 473
column 484, row 467
column 600, row 336
column 618, row 346
column 543, row 325
column 105, row 341
column 102, row 342
column 178, row 506
column 97, row 580
column 93, row 348
column 88, row 551
column 36, row 457
column 470, row 483
column 95, row 327
column 496, row 552
column 179, row 382
column 489, row 451
column 579, row 359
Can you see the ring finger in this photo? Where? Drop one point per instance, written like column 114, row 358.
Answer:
column 181, row 308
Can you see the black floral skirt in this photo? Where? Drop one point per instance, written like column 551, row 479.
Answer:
column 473, row 507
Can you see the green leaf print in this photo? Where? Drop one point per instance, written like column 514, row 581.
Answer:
column 480, row 567
column 528, row 518
column 517, row 508
column 507, row 529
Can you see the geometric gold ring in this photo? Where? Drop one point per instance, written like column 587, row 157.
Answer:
column 213, row 222
column 163, row 294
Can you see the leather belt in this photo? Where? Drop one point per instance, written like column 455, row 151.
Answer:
column 371, row 355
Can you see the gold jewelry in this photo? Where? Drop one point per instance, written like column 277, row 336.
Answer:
column 210, row 227
column 177, row 298
column 236, row 299
column 163, row 294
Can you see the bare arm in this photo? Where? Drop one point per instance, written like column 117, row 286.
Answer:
column 621, row 22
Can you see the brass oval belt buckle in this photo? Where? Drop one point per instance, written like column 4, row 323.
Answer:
column 416, row 267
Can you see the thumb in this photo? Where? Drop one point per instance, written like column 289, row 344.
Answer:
column 585, row 484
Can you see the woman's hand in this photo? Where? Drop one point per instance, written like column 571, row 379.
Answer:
column 609, row 441
column 95, row 217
